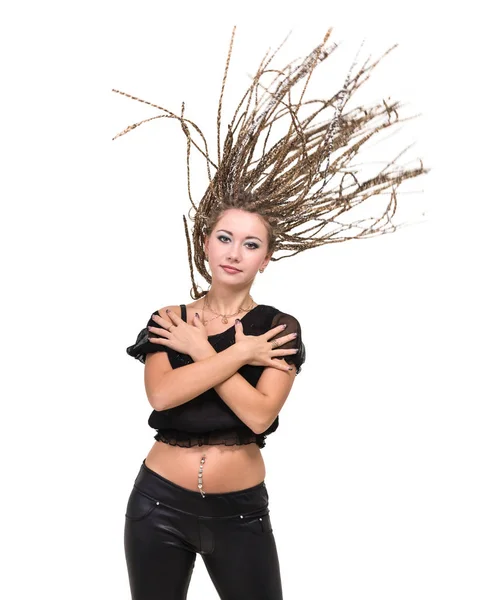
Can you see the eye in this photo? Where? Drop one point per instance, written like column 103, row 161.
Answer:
column 251, row 245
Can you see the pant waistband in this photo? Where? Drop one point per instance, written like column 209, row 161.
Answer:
column 212, row 505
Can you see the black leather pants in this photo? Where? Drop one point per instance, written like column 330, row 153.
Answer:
column 166, row 525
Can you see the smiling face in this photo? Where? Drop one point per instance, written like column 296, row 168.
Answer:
column 239, row 239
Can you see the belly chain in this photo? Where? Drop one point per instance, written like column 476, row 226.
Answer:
column 200, row 476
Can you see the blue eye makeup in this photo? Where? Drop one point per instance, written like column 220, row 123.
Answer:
column 252, row 245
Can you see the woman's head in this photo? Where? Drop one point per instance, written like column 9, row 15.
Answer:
column 238, row 231
column 240, row 239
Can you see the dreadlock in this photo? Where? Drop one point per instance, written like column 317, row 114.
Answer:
column 307, row 175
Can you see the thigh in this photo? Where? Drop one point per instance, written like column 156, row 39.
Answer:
column 244, row 561
column 159, row 558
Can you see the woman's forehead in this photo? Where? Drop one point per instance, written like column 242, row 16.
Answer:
column 236, row 220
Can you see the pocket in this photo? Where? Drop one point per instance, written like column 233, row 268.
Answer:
column 258, row 521
column 266, row 523
column 140, row 505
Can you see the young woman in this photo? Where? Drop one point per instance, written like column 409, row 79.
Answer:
column 217, row 377
column 219, row 369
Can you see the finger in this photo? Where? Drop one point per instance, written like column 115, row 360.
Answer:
column 159, row 331
column 282, row 366
column 238, row 328
column 275, row 330
column 161, row 321
column 162, row 341
column 284, row 351
column 285, row 338
column 173, row 316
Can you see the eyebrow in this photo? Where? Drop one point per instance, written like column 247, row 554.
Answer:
column 248, row 236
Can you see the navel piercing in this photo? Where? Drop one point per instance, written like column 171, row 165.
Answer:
column 200, row 476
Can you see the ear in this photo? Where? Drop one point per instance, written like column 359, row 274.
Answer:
column 267, row 258
column 207, row 243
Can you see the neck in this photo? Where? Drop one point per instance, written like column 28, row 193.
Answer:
column 228, row 302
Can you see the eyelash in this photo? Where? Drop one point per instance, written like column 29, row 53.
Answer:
column 227, row 238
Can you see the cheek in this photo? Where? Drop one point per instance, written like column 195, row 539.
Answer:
column 214, row 247
column 255, row 261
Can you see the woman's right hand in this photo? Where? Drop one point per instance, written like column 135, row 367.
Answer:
column 258, row 351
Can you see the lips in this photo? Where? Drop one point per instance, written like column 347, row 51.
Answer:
column 229, row 269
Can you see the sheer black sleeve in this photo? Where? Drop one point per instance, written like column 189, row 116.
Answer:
column 293, row 326
column 142, row 346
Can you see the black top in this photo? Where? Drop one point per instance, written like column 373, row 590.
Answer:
column 206, row 419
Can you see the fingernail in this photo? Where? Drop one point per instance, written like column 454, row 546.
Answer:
column 290, row 368
column 167, row 310
column 237, row 321
column 285, row 325
column 197, row 315
column 294, row 334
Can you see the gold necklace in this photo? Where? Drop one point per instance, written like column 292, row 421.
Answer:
column 224, row 318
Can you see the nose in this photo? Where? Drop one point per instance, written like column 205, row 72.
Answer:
column 234, row 253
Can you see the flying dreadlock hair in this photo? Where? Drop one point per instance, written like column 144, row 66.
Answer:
column 307, row 175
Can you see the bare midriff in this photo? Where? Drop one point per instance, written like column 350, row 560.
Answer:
column 225, row 468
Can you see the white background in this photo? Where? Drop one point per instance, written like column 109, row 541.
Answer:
column 372, row 474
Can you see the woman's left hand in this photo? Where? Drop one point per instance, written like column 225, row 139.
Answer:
column 179, row 335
